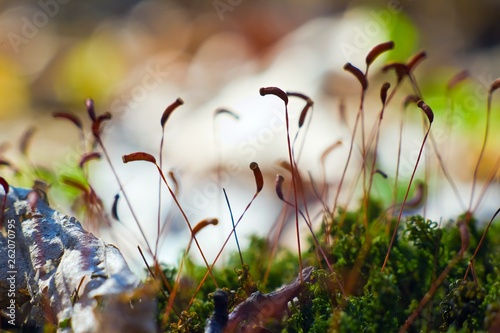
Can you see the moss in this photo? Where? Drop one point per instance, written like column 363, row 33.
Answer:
column 356, row 285
column 377, row 301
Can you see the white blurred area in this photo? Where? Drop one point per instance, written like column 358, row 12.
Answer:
column 159, row 53
column 222, row 75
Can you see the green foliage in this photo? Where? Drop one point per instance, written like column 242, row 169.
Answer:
column 237, row 280
column 374, row 301
column 318, row 299
column 377, row 310
column 462, row 307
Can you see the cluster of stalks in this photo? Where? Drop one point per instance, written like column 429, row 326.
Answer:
column 364, row 141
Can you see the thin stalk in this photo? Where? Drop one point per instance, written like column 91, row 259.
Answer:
column 446, row 172
column 486, row 185
column 234, row 226
column 383, row 94
column 282, row 95
column 480, row 243
column 430, row 117
column 483, row 147
column 125, row 196
column 318, row 246
column 344, row 172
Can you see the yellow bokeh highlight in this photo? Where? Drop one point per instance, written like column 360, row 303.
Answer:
column 92, row 68
column 14, row 94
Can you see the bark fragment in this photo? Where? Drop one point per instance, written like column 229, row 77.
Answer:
column 54, row 258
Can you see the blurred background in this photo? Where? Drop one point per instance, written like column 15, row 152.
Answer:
column 136, row 57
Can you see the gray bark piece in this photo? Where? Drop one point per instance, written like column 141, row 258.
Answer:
column 53, row 255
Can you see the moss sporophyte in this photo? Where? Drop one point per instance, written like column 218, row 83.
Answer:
column 373, row 268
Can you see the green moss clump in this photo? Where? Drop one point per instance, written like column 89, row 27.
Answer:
column 357, row 296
